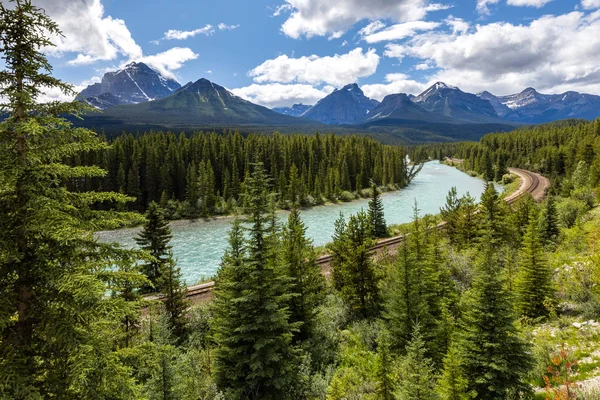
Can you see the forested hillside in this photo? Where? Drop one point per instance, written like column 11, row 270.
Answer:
column 204, row 174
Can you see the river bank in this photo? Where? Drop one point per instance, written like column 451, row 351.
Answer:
column 199, row 244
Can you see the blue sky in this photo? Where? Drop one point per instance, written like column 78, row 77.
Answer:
column 280, row 52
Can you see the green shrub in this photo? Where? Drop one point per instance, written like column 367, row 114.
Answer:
column 347, row 196
column 570, row 210
column 508, row 178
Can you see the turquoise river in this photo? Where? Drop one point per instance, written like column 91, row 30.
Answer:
column 199, row 245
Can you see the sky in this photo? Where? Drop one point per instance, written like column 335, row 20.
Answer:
column 281, row 52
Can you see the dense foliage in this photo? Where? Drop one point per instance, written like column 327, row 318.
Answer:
column 204, row 174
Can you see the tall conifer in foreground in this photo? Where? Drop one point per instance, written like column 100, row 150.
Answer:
column 300, row 263
column 493, row 356
column 170, row 284
column 417, row 381
column 154, row 238
column 549, row 230
column 452, row 385
column 56, row 323
column 254, row 358
column 354, row 273
column 376, row 214
column 534, row 280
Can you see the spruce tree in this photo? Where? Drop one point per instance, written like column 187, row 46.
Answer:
column 307, row 283
column 154, row 238
column 493, row 356
column 450, row 214
column 170, row 285
column 254, row 357
column 354, row 272
column 468, row 224
column 56, row 322
column 417, row 381
column 534, row 279
column 387, row 384
column 338, row 250
column 376, row 214
column 452, row 385
column 403, row 303
column 549, row 230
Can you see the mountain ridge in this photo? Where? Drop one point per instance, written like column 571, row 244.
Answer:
column 133, row 84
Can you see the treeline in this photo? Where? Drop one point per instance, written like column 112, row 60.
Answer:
column 555, row 150
column 204, row 174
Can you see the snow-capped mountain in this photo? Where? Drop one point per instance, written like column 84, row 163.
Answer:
column 136, row 83
column 452, row 102
column 347, row 105
column 295, row 111
column 534, row 107
column 200, row 103
column 397, row 107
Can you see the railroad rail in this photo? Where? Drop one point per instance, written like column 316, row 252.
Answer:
column 534, row 184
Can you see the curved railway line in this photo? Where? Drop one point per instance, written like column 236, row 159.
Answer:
column 534, row 184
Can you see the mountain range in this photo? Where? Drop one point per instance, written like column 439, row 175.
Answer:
column 139, row 98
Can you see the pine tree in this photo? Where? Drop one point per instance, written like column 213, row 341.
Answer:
column 126, row 281
column 56, row 322
column 468, row 221
column 452, row 385
column 307, row 283
column 160, row 355
column 254, row 358
column 154, row 238
column 417, row 382
column 354, row 271
column 386, row 379
column 450, row 214
column 376, row 214
column 337, row 249
column 534, row 279
column 490, row 203
column 549, row 230
column 403, row 303
column 170, row 285
column 492, row 354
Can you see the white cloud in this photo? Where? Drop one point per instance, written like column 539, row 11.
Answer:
column 56, row 94
column 458, row 25
column 102, row 38
column 371, row 28
column 224, row 27
column 396, row 83
column 590, row 4
column 423, row 67
column 528, row 3
column 482, row 6
column 400, row 31
column 174, row 34
column 344, row 43
column 168, row 61
column 335, row 70
column 323, row 17
column 505, row 58
column 281, row 9
column 280, row 95
column 99, row 38
column 437, row 7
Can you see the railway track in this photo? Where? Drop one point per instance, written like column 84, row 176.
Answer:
column 531, row 182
